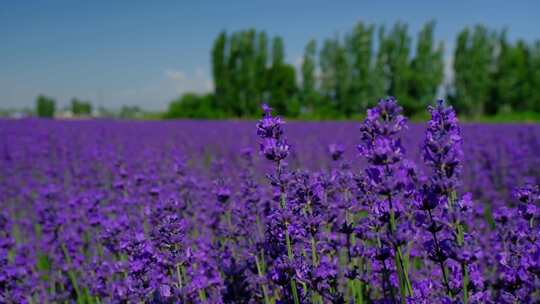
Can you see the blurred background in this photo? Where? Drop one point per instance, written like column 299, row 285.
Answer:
column 308, row 59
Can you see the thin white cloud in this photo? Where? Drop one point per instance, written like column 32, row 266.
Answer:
column 159, row 90
column 197, row 81
column 199, row 72
column 175, row 74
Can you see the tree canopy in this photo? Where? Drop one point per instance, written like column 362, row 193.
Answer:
column 345, row 74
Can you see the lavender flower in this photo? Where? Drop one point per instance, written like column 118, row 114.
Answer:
column 182, row 212
column 274, row 147
column 382, row 147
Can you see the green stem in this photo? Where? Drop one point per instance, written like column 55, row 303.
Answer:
column 385, row 276
column 288, row 241
column 178, row 275
column 71, row 274
column 290, row 255
column 316, row 297
column 441, row 263
column 202, row 295
column 403, row 276
column 261, row 274
column 314, row 252
column 460, row 240
column 357, row 285
column 294, row 292
column 465, row 275
column 282, row 203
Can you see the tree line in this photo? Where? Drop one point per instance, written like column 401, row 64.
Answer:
column 344, row 75
column 46, row 107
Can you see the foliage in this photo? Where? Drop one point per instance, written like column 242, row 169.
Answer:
column 191, row 105
column 344, row 76
column 308, row 91
column 130, row 112
column 473, row 62
column 81, row 108
column 427, row 70
column 45, row 106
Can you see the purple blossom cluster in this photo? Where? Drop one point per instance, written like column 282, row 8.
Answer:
column 189, row 212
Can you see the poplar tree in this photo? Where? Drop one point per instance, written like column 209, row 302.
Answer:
column 308, row 93
column 360, row 44
column 426, row 70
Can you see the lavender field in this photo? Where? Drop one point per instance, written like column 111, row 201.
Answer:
column 374, row 211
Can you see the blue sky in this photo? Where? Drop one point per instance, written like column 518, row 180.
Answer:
column 133, row 52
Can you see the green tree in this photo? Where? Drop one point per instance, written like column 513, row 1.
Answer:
column 130, row 112
column 394, row 58
column 45, row 106
column 378, row 82
column 278, row 52
column 309, row 94
column 235, row 53
column 535, row 77
column 248, row 85
column 219, row 69
column 459, row 92
column 511, row 86
column 360, row 45
column 191, row 105
column 427, row 69
column 335, row 77
column 473, row 70
column 282, row 80
column 243, row 76
column 79, row 107
column 328, row 70
column 489, row 73
column 261, row 67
